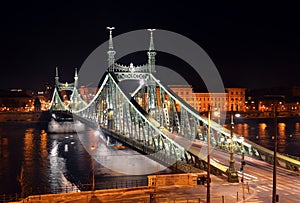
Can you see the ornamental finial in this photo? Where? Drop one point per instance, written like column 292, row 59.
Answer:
column 151, row 46
column 56, row 71
column 76, row 73
column 110, row 46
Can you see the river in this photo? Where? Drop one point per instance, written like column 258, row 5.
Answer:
column 33, row 161
column 262, row 132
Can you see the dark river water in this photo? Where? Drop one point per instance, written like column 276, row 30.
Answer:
column 261, row 132
column 33, row 161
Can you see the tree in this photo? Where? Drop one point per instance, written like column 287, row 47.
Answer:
column 37, row 104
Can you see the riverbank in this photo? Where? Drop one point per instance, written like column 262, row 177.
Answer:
column 267, row 114
column 241, row 117
column 24, row 117
column 148, row 194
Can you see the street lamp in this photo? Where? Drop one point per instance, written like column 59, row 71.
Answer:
column 208, row 159
column 217, row 114
column 274, row 195
column 93, row 168
column 232, row 172
column 243, row 163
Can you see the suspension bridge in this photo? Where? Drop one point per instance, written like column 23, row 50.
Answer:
column 155, row 121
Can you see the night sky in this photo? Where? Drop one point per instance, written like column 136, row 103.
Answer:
column 253, row 44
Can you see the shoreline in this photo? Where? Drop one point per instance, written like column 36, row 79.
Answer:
column 24, row 117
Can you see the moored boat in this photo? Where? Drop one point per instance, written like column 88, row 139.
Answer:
column 65, row 126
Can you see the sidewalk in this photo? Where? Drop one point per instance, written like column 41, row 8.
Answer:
column 221, row 191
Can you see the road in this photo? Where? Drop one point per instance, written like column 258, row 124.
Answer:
column 259, row 176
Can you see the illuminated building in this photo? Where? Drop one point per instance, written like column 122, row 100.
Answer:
column 15, row 100
column 232, row 99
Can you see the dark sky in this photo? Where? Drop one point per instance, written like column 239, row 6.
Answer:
column 253, row 44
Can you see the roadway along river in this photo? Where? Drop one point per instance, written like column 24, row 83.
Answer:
column 259, row 176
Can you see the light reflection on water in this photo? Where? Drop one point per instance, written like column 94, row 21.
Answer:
column 34, row 162
column 263, row 132
column 42, row 170
column 30, row 162
column 297, row 128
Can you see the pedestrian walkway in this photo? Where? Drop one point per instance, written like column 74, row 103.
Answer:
column 221, row 191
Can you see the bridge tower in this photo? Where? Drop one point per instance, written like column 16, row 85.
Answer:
column 56, row 77
column 76, row 79
column 132, row 72
column 151, row 85
column 111, row 52
column 111, row 91
column 151, row 53
column 57, row 103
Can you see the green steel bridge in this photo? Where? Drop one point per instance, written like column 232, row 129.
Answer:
column 155, row 121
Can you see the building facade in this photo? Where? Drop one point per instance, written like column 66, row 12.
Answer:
column 236, row 99
column 233, row 99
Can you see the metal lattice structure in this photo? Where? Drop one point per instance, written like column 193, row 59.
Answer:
column 56, row 103
column 154, row 121
column 76, row 102
column 121, row 118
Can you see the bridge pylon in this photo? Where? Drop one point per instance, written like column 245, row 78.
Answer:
column 62, row 104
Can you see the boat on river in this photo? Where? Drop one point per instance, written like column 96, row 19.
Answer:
column 65, row 126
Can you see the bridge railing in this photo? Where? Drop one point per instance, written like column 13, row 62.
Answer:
column 188, row 118
column 113, row 110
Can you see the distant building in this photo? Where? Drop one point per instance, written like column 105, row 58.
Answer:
column 44, row 95
column 236, row 99
column 48, row 91
column 217, row 101
column 268, row 102
column 293, row 104
column 87, row 93
column 233, row 99
column 15, row 100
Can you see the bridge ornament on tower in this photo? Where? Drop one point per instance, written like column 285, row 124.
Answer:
column 132, row 72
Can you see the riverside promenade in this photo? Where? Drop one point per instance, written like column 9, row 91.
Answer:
column 221, row 191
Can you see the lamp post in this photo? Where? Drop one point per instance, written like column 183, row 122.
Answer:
column 243, row 163
column 274, row 196
column 232, row 172
column 217, row 114
column 208, row 159
column 93, row 168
